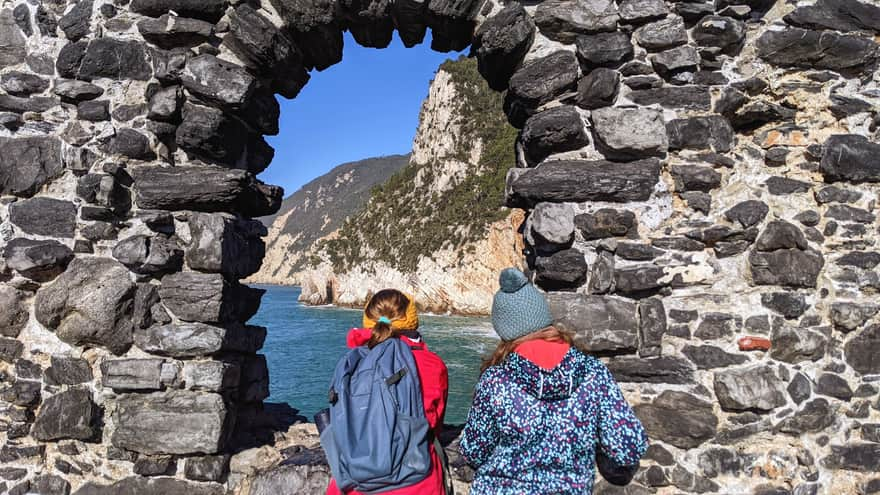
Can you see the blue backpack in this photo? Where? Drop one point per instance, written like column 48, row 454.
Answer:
column 378, row 436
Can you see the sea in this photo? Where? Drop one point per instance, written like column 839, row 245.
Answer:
column 304, row 343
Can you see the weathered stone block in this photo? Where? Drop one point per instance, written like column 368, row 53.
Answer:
column 208, row 298
column 175, row 422
column 132, row 374
column 28, row 163
column 169, row 31
column 151, row 486
column 537, row 82
column 213, row 376
column 225, row 244
column 208, row 10
column 861, row 351
column 752, row 388
column 850, row 157
column 606, row 222
column 678, row 418
column 114, row 59
column 216, row 80
column 68, row 371
column 701, row 133
column 551, row 227
column 709, row 357
column 501, row 42
column 793, row 345
column 254, row 381
column 578, row 181
column 601, row 324
column 149, row 254
column 564, row 270
column 13, row 311
column 183, row 340
column 604, row 49
column 554, row 131
column 630, row 133
column 662, row 34
column 90, row 303
column 666, row 369
column 863, row 457
column 38, row 260
column 748, row 213
column 640, row 279
column 652, row 326
column 69, row 414
column 787, row 267
column 563, row 21
column 207, row 468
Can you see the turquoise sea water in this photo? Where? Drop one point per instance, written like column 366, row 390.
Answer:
column 304, row 343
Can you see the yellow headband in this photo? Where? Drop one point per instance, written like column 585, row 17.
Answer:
column 410, row 321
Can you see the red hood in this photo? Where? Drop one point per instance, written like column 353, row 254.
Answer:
column 360, row 336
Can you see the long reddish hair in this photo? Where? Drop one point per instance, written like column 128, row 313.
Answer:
column 551, row 334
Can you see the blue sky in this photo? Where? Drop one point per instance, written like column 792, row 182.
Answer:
column 365, row 106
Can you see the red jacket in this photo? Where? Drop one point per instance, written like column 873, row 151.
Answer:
column 435, row 390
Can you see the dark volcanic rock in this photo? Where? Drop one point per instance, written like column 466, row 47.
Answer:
column 662, row 34
column 207, row 468
column 184, row 340
column 855, row 457
column 90, row 303
column 172, row 31
column 578, row 181
column 849, row 157
column 664, row 369
column 716, row 326
column 29, row 163
column 846, row 213
column 14, row 315
column 132, row 374
column 629, row 133
column 76, row 23
column 800, row 388
column 149, row 254
column 44, row 216
column 838, row 15
column 695, row 178
column 679, row 419
column 208, row 298
column 538, row 82
column 701, row 133
column 176, row 422
column 814, row 417
column 68, row 371
column 604, row 49
column 779, row 186
column 131, row 143
column 709, row 356
column 724, row 33
column 562, row 21
column 748, row 213
column 602, row 324
column 606, row 222
column 151, row 486
column 635, row 11
column 652, row 326
column 208, row 10
column 211, row 133
column 787, row 267
column 553, row 131
column 69, row 414
column 847, row 316
column 93, row 111
column 565, row 270
column 10, row 350
column 639, row 279
column 204, row 189
column 788, row 304
column 114, row 59
column 674, row 97
column 225, row 244
column 12, row 43
column 38, row 260
column 216, row 80
column 598, row 89
column 753, row 388
column 833, row 386
column 815, row 49
column 501, row 42
column 22, row 83
column 674, row 61
column 861, row 351
column 794, row 345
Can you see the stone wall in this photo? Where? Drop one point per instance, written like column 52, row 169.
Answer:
column 700, row 178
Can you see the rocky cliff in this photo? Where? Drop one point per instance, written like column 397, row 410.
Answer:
column 437, row 228
column 317, row 210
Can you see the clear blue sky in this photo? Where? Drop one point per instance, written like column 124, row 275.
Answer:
column 365, row 106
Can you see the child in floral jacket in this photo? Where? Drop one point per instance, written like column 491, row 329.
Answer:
column 543, row 410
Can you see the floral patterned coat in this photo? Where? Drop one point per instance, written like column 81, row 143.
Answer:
column 536, row 431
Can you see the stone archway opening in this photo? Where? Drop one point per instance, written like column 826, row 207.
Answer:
column 675, row 158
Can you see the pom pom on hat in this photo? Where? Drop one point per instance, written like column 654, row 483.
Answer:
column 512, row 280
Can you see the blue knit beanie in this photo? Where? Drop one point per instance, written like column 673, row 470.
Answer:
column 519, row 308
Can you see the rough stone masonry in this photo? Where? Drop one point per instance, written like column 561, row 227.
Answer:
column 701, row 178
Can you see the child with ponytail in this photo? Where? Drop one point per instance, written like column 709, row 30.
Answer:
column 392, row 314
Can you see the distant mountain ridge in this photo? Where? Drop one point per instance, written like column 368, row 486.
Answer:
column 317, row 210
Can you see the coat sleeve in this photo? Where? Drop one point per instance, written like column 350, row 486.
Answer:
column 481, row 433
column 435, row 390
column 622, row 439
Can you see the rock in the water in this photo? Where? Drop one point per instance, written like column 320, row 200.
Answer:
column 175, row 422
column 44, row 216
column 604, row 49
column 748, row 213
column 786, row 267
column 28, row 163
column 629, row 133
column 90, row 304
column 795, row 47
column 501, row 42
column 132, row 374
column 606, row 222
column 69, row 414
column 709, row 357
column 208, row 298
column 598, row 89
column 38, row 260
column 141, row 485
column 664, row 369
column 861, row 351
column 538, row 82
column 225, row 244
column 562, row 21
column 553, row 131
column 601, row 324
column 794, row 345
column 678, row 418
column 578, row 181
column 701, row 133
column 184, row 340
column 850, row 157
column 662, row 34
column 752, row 388
column 204, row 189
